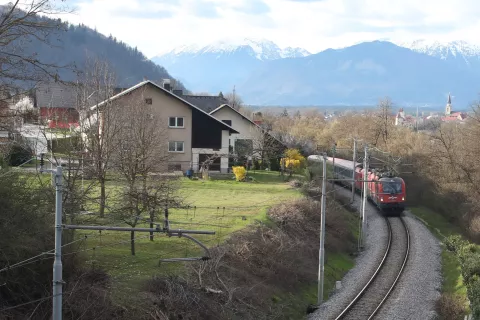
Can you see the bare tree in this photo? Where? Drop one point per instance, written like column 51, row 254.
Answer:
column 234, row 100
column 142, row 151
column 100, row 121
column 266, row 148
column 383, row 121
column 21, row 22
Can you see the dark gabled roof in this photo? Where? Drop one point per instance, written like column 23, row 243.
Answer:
column 55, row 95
column 61, row 95
column 206, row 103
column 167, row 92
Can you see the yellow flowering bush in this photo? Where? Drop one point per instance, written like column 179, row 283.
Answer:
column 240, row 173
column 293, row 159
column 292, row 162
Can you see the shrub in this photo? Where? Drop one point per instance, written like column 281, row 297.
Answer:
column 451, row 306
column 453, row 243
column 240, row 173
column 18, row 155
column 293, row 160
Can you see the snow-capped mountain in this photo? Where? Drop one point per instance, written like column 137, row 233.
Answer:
column 417, row 72
column 228, row 62
column 443, row 50
column 361, row 74
column 462, row 53
column 261, row 49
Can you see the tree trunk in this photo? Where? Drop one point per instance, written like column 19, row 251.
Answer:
column 102, row 197
column 152, row 216
column 132, row 242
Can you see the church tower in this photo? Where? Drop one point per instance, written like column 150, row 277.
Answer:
column 448, row 108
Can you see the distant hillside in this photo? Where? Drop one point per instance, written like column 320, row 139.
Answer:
column 74, row 44
column 357, row 75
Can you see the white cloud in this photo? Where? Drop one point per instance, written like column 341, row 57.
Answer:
column 154, row 26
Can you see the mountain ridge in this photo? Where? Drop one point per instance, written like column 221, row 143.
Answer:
column 415, row 73
column 262, row 49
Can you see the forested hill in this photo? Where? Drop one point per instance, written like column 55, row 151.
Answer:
column 75, row 44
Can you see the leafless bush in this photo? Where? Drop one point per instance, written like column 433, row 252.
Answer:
column 252, row 267
column 174, row 298
column 295, row 183
column 450, row 307
column 88, row 296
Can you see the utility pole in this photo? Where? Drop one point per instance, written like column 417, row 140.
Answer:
column 416, row 120
column 365, row 191
column 57, row 263
column 321, row 253
column 354, row 167
column 234, row 102
column 334, row 150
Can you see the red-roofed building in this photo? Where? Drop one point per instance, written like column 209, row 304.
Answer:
column 453, row 115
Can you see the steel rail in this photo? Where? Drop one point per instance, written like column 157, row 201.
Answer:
column 365, row 288
column 377, row 271
column 405, row 259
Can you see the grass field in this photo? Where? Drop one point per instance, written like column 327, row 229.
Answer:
column 223, row 206
column 451, row 271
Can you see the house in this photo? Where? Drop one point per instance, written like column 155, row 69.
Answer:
column 400, row 117
column 193, row 135
column 57, row 104
column 251, row 141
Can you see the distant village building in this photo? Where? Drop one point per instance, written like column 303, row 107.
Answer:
column 453, row 115
column 400, row 118
column 406, row 120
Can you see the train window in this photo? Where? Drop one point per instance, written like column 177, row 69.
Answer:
column 392, row 187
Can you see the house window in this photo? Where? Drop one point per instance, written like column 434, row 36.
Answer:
column 148, row 101
column 229, row 122
column 175, row 122
column 175, row 146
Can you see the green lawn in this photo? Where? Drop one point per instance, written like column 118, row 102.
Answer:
column 451, row 271
column 223, row 206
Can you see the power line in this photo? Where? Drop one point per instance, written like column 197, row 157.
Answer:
column 37, row 257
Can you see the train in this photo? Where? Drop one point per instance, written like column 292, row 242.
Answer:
column 384, row 189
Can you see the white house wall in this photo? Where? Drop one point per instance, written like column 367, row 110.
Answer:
column 246, row 129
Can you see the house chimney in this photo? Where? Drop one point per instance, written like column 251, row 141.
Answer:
column 145, row 78
column 166, row 85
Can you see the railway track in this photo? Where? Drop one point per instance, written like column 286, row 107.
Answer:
column 373, row 295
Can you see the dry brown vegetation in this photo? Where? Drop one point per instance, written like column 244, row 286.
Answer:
column 252, row 275
column 451, row 307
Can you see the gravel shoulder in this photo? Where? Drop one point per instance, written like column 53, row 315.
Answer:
column 418, row 288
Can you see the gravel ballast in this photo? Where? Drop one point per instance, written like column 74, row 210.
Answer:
column 418, row 288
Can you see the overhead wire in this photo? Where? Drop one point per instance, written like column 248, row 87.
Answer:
column 37, row 257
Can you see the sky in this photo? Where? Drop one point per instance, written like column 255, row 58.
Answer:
column 156, row 26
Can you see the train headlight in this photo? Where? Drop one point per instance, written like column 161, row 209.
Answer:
column 381, row 199
column 403, row 198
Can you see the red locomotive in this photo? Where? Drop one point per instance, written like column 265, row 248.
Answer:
column 387, row 191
